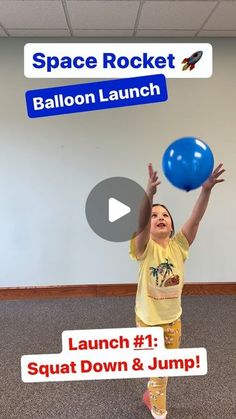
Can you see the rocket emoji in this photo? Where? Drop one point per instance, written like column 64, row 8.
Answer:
column 191, row 61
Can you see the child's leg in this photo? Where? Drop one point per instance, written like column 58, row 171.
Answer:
column 157, row 393
column 157, row 386
column 172, row 334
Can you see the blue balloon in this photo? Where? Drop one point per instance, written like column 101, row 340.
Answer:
column 187, row 163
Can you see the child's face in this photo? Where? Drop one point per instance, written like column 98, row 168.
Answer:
column 161, row 225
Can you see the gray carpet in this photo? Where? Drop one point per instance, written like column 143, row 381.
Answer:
column 33, row 327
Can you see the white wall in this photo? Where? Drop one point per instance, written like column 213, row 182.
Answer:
column 49, row 165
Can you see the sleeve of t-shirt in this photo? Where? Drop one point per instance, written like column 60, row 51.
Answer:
column 133, row 253
column 182, row 243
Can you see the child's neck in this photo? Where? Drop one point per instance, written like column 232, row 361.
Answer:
column 162, row 241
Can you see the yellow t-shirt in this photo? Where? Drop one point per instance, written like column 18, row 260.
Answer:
column 161, row 278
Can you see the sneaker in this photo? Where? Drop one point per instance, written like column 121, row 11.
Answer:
column 159, row 416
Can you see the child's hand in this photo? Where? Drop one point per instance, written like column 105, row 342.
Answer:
column 213, row 178
column 153, row 181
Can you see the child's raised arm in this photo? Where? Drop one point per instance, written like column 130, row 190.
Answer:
column 190, row 228
column 143, row 233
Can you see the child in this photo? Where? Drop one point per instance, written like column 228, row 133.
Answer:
column 162, row 253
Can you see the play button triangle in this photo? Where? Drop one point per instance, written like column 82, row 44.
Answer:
column 116, row 209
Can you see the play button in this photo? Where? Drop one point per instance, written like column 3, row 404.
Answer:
column 112, row 208
column 117, row 210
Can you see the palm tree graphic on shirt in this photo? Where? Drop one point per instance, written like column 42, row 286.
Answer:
column 164, row 270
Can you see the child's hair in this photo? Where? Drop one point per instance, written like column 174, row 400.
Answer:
column 172, row 222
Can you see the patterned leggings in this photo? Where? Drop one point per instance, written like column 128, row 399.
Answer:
column 157, row 386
